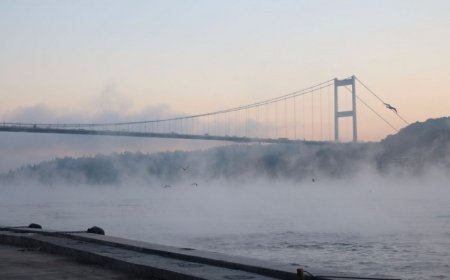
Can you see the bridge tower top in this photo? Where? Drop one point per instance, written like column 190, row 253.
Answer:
column 342, row 114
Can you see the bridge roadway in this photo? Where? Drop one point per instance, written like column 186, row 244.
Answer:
column 172, row 135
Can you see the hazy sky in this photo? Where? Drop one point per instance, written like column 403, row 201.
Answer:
column 77, row 58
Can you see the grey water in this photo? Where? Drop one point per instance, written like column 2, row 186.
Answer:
column 368, row 225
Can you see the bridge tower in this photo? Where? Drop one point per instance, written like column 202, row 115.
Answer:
column 342, row 114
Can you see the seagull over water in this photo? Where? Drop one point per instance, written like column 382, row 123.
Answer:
column 390, row 107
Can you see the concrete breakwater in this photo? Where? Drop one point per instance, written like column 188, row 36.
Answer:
column 158, row 261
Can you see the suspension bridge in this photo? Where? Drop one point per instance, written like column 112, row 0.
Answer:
column 311, row 114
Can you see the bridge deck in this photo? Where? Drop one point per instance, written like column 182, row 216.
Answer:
column 238, row 139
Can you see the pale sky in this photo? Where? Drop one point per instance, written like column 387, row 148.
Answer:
column 79, row 58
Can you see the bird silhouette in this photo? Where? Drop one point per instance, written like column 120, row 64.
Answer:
column 194, row 184
column 390, row 107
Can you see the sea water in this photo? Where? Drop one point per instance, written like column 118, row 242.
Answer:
column 369, row 227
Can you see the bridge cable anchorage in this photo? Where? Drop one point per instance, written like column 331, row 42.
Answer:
column 382, row 101
column 374, row 111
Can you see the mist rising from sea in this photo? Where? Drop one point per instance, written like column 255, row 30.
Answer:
column 369, row 225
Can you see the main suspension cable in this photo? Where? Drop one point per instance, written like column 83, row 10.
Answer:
column 373, row 110
column 381, row 100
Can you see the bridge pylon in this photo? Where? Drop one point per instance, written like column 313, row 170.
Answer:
column 342, row 114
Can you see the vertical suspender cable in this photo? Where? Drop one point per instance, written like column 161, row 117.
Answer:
column 276, row 119
column 303, row 117
column 329, row 112
column 295, row 120
column 267, row 122
column 285, row 118
column 246, row 122
column 320, row 111
column 312, row 116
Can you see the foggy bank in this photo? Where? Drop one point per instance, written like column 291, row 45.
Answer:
column 415, row 149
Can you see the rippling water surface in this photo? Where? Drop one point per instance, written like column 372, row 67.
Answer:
column 369, row 228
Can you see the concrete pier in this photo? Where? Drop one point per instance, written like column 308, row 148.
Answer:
column 152, row 261
column 17, row 263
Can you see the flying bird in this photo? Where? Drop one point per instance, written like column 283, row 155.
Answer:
column 390, row 107
column 194, row 184
column 185, row 168
column 167, row 186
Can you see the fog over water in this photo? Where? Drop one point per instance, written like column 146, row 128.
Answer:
column 371, row 225
column 278, row 69
column 348, row 208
